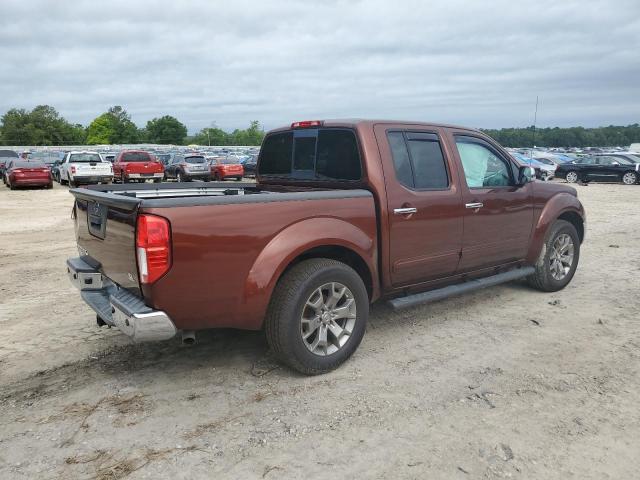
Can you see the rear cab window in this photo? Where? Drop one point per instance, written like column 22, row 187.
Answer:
column 314, row 154
column 84, row 157
column 418, row 160
column 135, row 157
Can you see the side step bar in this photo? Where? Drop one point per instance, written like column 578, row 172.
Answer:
column 469, row 286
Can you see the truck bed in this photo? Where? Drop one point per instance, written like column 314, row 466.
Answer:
column 224, row 240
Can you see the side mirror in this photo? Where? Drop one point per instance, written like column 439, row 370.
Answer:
column 526, row 175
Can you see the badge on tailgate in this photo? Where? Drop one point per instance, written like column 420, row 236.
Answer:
column 97, row 219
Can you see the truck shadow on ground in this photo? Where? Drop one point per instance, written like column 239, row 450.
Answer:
column 220, row 355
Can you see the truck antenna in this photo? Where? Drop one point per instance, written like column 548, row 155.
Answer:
column 535, row 120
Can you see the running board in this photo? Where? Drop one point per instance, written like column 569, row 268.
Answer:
column 469, row 286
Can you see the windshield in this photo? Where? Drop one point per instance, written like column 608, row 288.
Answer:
column 194, row 159
column 311, row 154
column 84, row 157
column 136, row 157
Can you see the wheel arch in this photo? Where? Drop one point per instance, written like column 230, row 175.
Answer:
column 563, row 206
column 340, row 240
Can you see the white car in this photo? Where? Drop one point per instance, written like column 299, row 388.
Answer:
column 84, row 168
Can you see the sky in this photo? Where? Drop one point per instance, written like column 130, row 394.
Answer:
column 473, row 63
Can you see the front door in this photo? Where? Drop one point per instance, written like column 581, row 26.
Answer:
column 424, row 205
column 498, row 215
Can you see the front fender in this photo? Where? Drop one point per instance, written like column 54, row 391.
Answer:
column 555, row 207
column 293, row 241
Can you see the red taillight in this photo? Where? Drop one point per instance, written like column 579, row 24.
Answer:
column 73, row 169
column 153, row 247
column 307, row 124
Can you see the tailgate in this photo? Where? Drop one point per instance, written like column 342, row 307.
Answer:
column 94, row 168
column 105, row 232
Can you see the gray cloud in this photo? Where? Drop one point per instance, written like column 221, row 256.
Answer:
column 474, row 63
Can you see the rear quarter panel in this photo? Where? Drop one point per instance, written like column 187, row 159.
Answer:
column 227, row 258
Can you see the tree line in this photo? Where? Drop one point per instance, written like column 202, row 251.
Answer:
column 45, row 126
column 611, row 136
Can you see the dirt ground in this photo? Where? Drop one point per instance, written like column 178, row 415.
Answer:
column 503, row 383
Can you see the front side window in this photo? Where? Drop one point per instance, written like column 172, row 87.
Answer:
column 418, row 160
column 482, row 167
column 311, row 154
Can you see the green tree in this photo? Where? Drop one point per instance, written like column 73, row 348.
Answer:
column 114, row 126
column 41, row 126
column 165, row 130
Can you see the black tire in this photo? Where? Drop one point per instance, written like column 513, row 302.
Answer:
column 72, row 184
column 49, row 186
column 283, row 319
column 157, row 180
column 179, row 177
column 238, row 179
column 542, row 279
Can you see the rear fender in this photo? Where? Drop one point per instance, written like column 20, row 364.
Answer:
column 557, row 206
column 292, row 242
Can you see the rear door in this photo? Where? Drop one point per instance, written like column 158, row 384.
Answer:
column 498, row 214
column 424, row 204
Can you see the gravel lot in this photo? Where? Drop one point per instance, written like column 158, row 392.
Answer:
column 503, row 383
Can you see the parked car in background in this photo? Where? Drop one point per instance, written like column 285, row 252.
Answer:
column 84, row 168
column 343, row 213
column 250, row 166
column 109, row 157
column 5, row 157
column 545, row 170
column 164, row 158
column 23, row 173
column 185, row 168
column 137, row 166
column 226, row 167
column 600, row 168
column 48, row 158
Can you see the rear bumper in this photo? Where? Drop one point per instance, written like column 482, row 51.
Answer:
column 119, row 307
column 30, row 181
column 91, row 178
column 197, row 175
column 140, row 176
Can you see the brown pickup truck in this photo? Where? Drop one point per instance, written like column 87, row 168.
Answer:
column 343, row 214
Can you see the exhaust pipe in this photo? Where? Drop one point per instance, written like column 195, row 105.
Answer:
column 188, row 337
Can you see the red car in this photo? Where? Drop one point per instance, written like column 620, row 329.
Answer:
column 223, row 168
column 27, row 174
column 137, row 165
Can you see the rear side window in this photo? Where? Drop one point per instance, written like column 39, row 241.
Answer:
column 418, row 160
column 136, row 157
column 312, row 154
column 8, row 154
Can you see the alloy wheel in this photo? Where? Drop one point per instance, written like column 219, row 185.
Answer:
column 561, row 257
column 572, row 177
column 328, row 319
column 629, row 178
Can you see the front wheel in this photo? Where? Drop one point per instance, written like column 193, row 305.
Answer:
column 572, row 176
column 630, row 178
column 317, row 315
column 558, row 259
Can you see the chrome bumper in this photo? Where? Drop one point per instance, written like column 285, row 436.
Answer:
column 141, row 175
column 119, row 307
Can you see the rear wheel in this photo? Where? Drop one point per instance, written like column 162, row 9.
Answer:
column 630, row 178
column 317, row 315
column 179, row 177
column 572, row 176
column 72, row 183
column 558, row 259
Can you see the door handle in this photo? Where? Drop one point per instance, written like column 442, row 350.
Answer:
column 474, row 205
column 405, row 211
